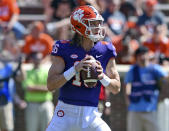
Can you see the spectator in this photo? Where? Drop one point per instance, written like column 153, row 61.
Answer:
column 47, row 10
column 151, row 17
column 131, row 7
column 37, row 40
column 59, row 26
column 61, row 9
column 128, row 9
column 126, row 55
column 142, row 92
column 6, row 108
column 116, row 24
column 158, row 44
column 12, row 53
column 9, row 18
column 112, row 8
column 40, row 107
column 10, row 44
column 7, row 95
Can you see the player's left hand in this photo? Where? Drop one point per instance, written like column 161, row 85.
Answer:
column 99, row 70
column 83, row 63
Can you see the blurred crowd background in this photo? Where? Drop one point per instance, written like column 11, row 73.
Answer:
column 28, row 29
column 33, row 26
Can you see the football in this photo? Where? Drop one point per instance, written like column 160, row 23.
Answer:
column 89, row 77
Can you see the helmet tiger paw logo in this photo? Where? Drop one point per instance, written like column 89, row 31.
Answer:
column 78, row 15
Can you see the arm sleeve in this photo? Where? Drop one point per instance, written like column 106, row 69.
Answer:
column 57, row 49
column 112, row 50
column 14, row 7
column 160, row 72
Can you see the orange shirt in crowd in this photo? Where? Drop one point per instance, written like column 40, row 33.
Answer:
column 7, row 9
column 162, row 46
column 43, row 44
column 126, row 55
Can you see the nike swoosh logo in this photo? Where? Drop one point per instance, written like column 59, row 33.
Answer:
column 97, row 56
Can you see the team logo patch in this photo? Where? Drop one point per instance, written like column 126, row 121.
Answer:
column 60, row 113
column 74, row 56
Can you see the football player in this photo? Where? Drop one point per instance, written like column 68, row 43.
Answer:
column 77, row 105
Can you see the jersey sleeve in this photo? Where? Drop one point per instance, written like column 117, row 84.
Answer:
column 160, row 72
column 14, row 7
column 58, row 49
column 111, row 50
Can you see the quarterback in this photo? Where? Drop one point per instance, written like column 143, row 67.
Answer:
column 77, row 105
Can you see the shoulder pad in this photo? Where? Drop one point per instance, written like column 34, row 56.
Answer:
column 62, row 41
column 104, row 42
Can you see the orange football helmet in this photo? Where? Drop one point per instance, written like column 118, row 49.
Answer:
column 86, row 21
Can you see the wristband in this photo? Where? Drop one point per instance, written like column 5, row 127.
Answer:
column 69, row 73
column 105, row 81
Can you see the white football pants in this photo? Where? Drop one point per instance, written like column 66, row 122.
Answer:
column 76, row 118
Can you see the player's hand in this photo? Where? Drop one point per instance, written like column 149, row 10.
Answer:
column 22, row 104
column 83, row 64
column 99, row 70
column 89, row 57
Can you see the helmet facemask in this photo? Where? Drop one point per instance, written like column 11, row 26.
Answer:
column 94, row 29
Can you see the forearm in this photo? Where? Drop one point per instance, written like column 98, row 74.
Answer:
column 111, row 80
column 13, row 20
column 40, row 88
column 58, row 24
column 21, row 76
column 55, row 82
column 113, row 85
